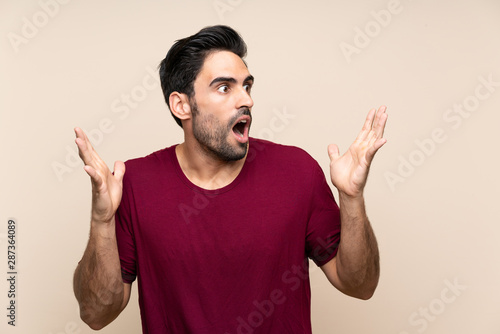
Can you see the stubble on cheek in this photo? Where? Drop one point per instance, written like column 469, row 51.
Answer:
column 213, row 137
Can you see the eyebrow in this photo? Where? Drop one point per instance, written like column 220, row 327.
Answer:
column 230, row 79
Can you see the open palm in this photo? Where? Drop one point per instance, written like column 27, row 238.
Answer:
column 106, row 186
column 350, row 171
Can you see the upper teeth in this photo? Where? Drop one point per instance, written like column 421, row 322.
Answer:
column 243, row 121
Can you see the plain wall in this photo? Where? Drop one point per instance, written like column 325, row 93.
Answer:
column 432, row 194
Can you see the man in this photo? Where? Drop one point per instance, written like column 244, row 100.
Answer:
column 218, row 229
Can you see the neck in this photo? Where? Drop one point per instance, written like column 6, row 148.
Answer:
column 204, row 170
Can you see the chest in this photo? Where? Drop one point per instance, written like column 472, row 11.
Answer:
column 230, row 227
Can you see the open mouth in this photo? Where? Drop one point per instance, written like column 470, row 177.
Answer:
column 240, row 128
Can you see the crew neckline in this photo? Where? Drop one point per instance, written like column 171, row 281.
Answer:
column 188, row 183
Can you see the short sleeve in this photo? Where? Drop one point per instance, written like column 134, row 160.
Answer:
column 124, row 234
column 323, row 228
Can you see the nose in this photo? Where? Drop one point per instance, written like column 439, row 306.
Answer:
column 244, row 99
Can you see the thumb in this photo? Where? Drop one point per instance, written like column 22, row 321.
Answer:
column 333, row 152
column 119, row 170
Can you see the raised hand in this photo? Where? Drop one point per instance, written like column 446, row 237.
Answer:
column 106, row 186
column 350, row 171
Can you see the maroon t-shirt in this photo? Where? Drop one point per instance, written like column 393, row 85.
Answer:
column 231, row 260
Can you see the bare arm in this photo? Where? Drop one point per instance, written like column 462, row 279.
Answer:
column 355, row 270
column 97, row 281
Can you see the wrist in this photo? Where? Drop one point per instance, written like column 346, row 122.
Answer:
column 352, row 207
column 102, row 219
column 103, row 228
column 354, row 198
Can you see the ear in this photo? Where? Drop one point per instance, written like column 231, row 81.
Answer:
column 179, row 105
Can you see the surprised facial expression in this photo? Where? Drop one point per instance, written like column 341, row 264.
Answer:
column 221, row 106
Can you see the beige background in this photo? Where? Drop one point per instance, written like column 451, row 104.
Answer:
column 437, row 222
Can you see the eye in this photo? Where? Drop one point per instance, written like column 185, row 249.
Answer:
column 248, row 88
column 223, row 89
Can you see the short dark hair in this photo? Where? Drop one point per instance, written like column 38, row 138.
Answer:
column 185, row 59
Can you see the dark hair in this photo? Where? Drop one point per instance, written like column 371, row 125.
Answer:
column 185, row 58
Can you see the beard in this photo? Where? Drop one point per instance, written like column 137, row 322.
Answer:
column 213, row 136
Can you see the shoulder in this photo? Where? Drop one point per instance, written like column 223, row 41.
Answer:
column 149, row 165
column 288, row 168
column 277, row 159
column 284, row 157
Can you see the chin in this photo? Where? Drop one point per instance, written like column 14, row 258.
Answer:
column 235, row 153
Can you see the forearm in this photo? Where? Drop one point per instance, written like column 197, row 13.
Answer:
column 358, row 257
column 97, row 283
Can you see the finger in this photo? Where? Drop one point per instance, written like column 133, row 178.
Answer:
column 94, row 176
column 83, row 151
column 376, row 146
column 83, row 146
column 83, row 136
column 86, row 150
column 78, row 132
column 367, row 126
column 380, row 121
column 119, row 170
column 382, row 109
column 333, row 152
column 369, row 120
column 378, row 126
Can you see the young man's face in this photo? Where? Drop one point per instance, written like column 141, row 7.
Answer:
column 221, row 106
